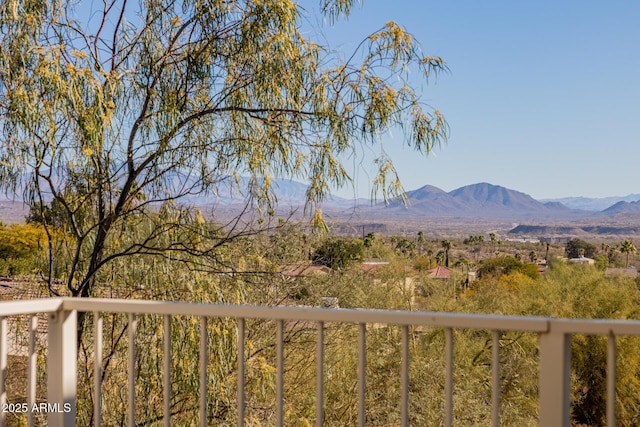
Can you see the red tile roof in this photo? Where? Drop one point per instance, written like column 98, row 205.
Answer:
column 440, row 272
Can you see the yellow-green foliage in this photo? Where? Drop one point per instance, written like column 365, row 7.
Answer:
column 21, row 246
column 571, row 291
column 564, row 291
column 422, row 263
column 21, row 240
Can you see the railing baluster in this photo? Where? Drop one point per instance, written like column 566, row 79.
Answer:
column 279, row 373
column 97, row 369
column 554, row 336
column 495, row 381
column 3, row 368
column 203, row 371
column 31, row 370
column 62, row 362
column 133, row 323
column 555, row 378
column 448, row 381
column 167, row 371
column 241, row 326
column 611, row 380
column 362, row 373
column 404, row 378
column 320, row 375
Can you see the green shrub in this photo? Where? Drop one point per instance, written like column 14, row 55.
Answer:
column 505, row 265
column 338, row 253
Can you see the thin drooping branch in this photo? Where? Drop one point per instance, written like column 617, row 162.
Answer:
column 192, row 94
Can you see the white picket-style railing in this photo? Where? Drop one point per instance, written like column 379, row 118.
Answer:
column 61, row 348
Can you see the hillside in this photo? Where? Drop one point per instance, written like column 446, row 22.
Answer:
column 623, row 207
column 468, row 203
column 593, row 204
column 496, row 200
column 430, row 201
column 481, row 200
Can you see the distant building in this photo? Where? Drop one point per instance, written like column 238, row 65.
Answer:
column 372, row 267
column 522, row 240
column 555, row 239
column 440, row 272
column 582, row 260
column 471, row 277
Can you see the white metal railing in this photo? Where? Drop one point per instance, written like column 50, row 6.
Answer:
column 554, row 347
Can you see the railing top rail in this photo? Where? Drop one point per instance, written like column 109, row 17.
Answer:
column 596, row 326
column 33, row 306
column 415, row 318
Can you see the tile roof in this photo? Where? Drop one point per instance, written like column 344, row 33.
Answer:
column 440, row 272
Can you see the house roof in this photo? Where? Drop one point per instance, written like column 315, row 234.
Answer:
column 582, row 260
column 440, row 272
column 373, row 266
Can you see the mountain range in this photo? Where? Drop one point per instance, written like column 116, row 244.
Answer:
column 477, row 200
column 593, row 204
column 482, row 200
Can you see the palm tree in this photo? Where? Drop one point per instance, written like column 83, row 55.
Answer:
column 369, row 239
column 446, row 245
column 474, row 241
column 492, row 237
column 628, row 248
column 480, row 243
column 420, row 242
column 611, row 255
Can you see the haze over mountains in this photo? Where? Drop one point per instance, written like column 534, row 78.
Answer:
column 482, row 200
column 484, row 197
column 593, row 204
column 486, row 200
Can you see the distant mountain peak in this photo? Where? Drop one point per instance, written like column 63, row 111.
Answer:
column 425, row 192
column 495, row 196
column 595, row 204
column 623, row 207
column 483, row 200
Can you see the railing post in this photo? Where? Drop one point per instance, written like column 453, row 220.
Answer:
column 555, row 378
column 3, row 368
column 61, row 368
column 611, row 380
column 32, row 375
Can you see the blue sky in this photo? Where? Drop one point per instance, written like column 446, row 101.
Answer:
column 542, row 97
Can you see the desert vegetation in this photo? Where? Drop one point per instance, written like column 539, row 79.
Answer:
column 256, row 268
column 114, row 123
